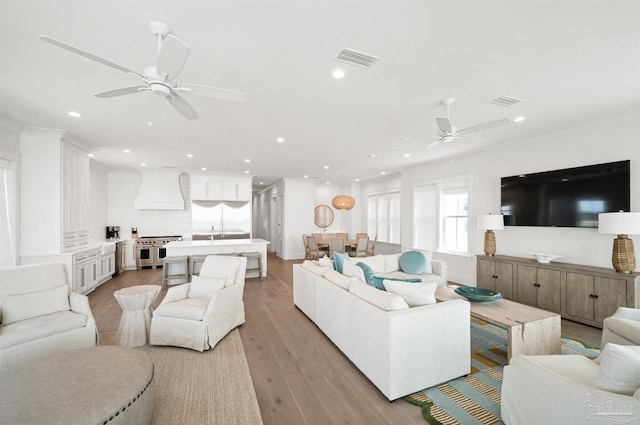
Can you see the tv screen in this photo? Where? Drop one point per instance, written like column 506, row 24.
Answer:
column 572, row 197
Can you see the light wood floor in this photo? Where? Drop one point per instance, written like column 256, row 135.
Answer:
column 300, row 377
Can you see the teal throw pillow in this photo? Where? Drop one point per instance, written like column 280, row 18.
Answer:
column 413, row 262
column 370, row 277
column 339, row 259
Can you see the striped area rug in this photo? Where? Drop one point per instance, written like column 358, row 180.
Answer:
column 475, row 399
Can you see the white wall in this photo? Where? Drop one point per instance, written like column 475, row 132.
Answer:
column 299, row 202
column 98, row 201
column 607, row 140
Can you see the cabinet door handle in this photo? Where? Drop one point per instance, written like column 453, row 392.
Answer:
column 595, row 296
column 495, row 276
column 537, row 285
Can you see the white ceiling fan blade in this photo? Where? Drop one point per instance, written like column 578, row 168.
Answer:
column 486, row 126
column 172, row 57
column 122, row 92
column 88, row 55
column 182, row 106
column 213, row 92
column 444, row 124
column 436, row 142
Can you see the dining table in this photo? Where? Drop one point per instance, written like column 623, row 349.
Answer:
column 324, row 243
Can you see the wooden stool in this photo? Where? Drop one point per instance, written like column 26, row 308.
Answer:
column 257, row 256
column 194, row 261
column 170, row 262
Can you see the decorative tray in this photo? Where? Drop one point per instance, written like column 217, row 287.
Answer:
column 475, row 294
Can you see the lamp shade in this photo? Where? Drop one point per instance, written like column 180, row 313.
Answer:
column 619, row 223
column 491, row 222
column 343, row 202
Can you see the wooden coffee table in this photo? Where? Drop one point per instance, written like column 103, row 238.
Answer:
column 530, row 330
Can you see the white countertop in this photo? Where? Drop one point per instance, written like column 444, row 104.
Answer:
column 217, row 242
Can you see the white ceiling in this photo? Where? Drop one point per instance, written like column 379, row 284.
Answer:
column 569, row 61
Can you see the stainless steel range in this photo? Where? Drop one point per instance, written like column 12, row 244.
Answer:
column 149, row 250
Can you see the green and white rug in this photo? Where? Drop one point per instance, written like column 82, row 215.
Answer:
column 475, row 399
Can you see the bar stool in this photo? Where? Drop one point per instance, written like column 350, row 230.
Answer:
column 170, row 263
column 257, row 256
column 195, row 263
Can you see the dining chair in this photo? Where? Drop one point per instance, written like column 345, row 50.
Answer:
column 336, row 245
column 361, row 235
column 306, row 246
column 371, row 246
column 361, row 248
column 318, row 236
column 314, row 252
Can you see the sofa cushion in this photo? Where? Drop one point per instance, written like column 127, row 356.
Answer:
column 314, row 268
column 204, row 287
column 391, row 263
column 370, row 276
column 413, row 262
column 34, row 304
column 351, row 270
column 40, row 327
column 414, row 293
column 383, row 300
column 188, row 308
column 619, row 369
column 326, row 262
column 338, row 279
column 339, row 260
column 376, row 262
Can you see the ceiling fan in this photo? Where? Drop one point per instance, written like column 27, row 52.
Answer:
column 161, row 78
column 447, row 132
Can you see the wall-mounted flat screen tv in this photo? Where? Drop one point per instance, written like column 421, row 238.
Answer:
column 572, row 197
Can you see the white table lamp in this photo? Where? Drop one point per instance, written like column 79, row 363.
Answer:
column 490, row 223
column 621, row 224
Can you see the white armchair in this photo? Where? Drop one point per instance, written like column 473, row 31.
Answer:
column 197, row 315
column 39, row 314
column 622, row 328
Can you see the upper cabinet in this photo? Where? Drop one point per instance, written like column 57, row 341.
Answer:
column 216, row 187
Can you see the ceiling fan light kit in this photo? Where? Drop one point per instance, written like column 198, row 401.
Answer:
column 160, row 79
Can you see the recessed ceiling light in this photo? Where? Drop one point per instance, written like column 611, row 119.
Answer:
column 247, row 160
column 519, row 119
column 189, row 155
column 126, row 151
column 261, row 183
column 143, row 164
column 204, row 168
column 407, row 155
column 91, row 155
column 149, row 123
column 74, row 114
column 326, row 167
column 328, row 182
column 280, row 139
column 246, row 172
column 372, row 155
column 357, row 180
column 306, row 177
column 338, row 74
column 383, row 172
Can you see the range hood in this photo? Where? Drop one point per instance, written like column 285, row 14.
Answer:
column 160, row 190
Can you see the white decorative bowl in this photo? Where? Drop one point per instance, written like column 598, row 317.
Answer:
column 545, row 258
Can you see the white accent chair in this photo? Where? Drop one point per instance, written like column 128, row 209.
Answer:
column 40, row 314
column 622, row 328
column 197, row 315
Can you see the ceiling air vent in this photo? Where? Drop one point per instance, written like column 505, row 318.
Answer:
column 353, row 57
column 505, row 100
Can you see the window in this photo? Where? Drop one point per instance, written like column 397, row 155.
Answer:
column 441, row 216
column 383, row 216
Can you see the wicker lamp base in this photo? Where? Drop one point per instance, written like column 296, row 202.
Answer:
column 623, row 257
column 489, row 243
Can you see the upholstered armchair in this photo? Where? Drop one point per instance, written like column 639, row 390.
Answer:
column 40, row 314
column 622, row 328
column 197, row 315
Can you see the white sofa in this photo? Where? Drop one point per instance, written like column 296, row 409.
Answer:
column 40, row 314
column 400, row 349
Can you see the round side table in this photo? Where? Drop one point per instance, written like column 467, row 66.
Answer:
column 135, row 322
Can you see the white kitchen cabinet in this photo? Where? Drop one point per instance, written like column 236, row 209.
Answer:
column 86, row 270
column 54, row 193
column 216, row 187
column 107, row 267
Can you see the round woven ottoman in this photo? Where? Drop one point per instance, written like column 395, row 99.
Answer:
column 107, row 385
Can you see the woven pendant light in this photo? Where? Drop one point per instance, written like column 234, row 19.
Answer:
column 343, row 202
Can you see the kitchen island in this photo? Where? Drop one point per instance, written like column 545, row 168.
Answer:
column 219, row 246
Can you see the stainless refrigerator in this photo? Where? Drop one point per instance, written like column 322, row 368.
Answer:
column 230, row 219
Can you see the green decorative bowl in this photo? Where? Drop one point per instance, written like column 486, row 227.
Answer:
column 475, row 294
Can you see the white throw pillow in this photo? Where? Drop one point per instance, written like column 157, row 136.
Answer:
column 338, row 279
column 205, row 287
column 619, row 369
column 383, row 300
column 313, row 268
column 414, row 293
column 376, row 262
column 351, row 270
column 391, row 263
column 34, row 304
column 325, row 262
